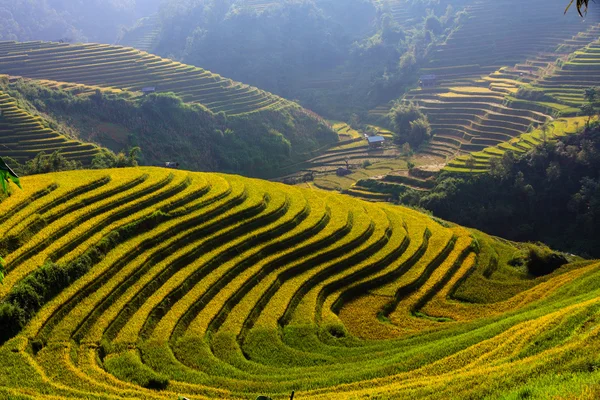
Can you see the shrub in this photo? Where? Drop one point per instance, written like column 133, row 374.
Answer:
column 43, row 164
column 433, row 24
column 543, row 261
column 129, row 367
column 533, row 95
column 12, row 320
column 410, row 124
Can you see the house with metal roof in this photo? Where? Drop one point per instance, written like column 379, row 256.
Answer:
column 375, row 141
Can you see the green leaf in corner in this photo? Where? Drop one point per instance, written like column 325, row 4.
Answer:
column 6, row 174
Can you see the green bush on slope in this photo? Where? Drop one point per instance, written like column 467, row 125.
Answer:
column 167, row 129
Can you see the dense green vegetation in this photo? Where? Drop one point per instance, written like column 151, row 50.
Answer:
column 549, row 194
column 410, row 124
column 167, row 129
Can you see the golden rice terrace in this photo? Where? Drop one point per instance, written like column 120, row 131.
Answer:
column 169, row 283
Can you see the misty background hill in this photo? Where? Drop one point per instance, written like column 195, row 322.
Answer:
column 71, row 20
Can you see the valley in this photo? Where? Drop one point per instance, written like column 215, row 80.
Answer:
column 281, row 199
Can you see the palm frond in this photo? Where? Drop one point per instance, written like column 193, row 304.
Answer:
column 582, row 6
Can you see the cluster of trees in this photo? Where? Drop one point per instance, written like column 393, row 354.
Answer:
column 551, row 194
column 70, row 20
column 410, row 124
column 395, row 53
column 167, row 129
column 44, row 163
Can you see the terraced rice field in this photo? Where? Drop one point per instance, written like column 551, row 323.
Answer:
column 144, row 35
column 23, row 136
column 482, row 65
column 472, row 112
column 124, row 68
column 581, row 71
column 216, row 286
column 518, row 145
column 503, row 34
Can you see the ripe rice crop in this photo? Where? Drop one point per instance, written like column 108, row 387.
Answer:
column 215, row 286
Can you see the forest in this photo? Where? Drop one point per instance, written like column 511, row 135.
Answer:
column 551, row 195
column 73, row 21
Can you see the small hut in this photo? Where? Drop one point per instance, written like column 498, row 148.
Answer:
column 148, row 90
column 427, row 81
column 375, row 141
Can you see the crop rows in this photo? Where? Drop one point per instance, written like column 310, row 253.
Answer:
column 24, row 135
column 580, row 72
column 497, row 35
column 216, row 286
column 517, row 145
column 144, row 35
column 475, row 113
column 124, row 68
column 481, row 66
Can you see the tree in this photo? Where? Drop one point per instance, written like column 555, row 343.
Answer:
column 470, row 162
column 592, row 107
column 410, row 124
column 545, row 129
column 433, row 24
column 420, row 131
column 134, row 154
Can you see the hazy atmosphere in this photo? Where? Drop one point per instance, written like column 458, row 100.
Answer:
column 299, row 199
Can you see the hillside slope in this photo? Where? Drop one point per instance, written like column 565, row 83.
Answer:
column 160, row 283
column 132, row 70
column 24, row 135
column 194, row 117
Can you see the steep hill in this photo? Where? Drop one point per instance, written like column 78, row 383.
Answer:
column 143, row 35
column 132, row 70
column 337, row 57
column 502, row 81
column 191, row 116
column 24, row 135
column 159, row 283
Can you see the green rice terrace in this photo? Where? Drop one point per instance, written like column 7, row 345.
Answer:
column 127, row 69
column 23, row 136
column 474, row 105
column 157, row 284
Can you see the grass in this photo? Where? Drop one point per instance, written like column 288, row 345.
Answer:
column 242, row 287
